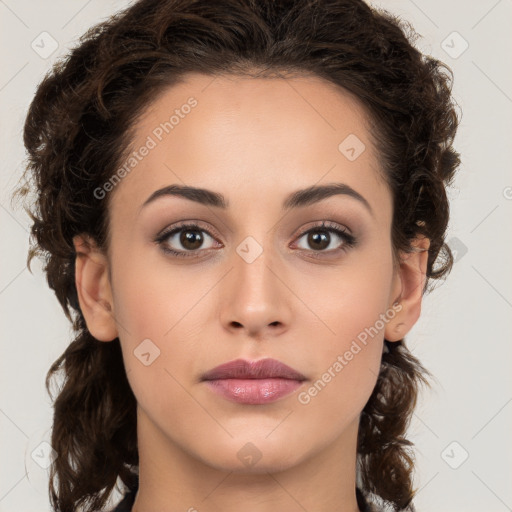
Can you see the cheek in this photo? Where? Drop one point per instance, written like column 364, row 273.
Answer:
column 346, row 364
column 353, row 306
column 352, row 300
column 156, row 309
column 151, row 297
column 152, row 314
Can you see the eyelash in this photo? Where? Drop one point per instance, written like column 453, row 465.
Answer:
column 349, row 240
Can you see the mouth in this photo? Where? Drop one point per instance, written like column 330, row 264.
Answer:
column 253, row 383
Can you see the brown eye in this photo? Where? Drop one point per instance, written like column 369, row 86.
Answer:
column 318, row 240
column 327, row 239
column 191, row 239
column 184, row 241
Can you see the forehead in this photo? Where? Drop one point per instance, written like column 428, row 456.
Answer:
column 250, row 137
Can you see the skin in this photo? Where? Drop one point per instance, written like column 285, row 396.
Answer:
column 255, row 141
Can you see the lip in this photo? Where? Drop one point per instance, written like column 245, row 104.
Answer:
column 262, row 369
column 253, row 383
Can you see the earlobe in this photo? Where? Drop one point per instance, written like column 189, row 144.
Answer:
column 410, row 278
column 94, row 289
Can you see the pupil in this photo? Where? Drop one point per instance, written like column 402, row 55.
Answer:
column 191, row 239
column 316, row 238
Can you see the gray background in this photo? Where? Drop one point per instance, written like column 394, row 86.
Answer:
column 461, row 428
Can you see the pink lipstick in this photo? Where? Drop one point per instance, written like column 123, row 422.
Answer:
column 253, row 383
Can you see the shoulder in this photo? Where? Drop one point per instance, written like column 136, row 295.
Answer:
column 127, row 502
column 373, row 503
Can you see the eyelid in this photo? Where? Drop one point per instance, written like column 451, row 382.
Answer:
column 184, row 224
column 326, row 224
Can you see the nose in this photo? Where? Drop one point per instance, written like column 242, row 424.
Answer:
column 255, row 296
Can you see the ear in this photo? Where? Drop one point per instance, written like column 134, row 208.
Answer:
column 94, row 289
column 408, row 285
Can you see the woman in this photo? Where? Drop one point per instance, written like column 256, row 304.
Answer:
column 241, row 204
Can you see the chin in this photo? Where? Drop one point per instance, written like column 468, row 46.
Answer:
column 258, row 456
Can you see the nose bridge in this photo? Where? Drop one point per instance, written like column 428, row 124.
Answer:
column 253, row 261
column 255, row 298
column 254, row 253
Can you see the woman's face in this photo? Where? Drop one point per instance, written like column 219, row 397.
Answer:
column 249, row 283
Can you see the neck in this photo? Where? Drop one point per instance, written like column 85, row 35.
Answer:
column 172, row 479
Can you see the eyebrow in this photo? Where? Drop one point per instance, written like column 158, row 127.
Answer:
column 297, row 199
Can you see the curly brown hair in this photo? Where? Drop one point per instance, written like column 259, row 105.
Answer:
column 79, row 128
